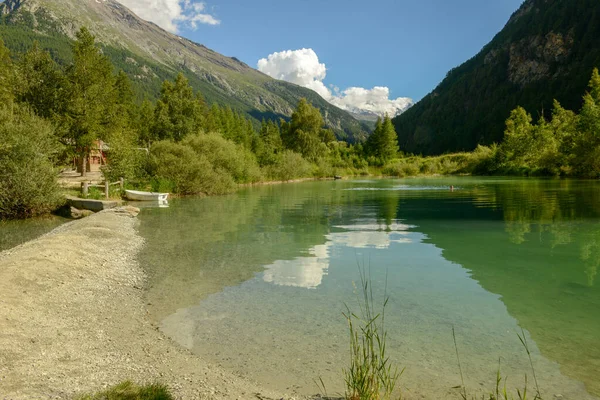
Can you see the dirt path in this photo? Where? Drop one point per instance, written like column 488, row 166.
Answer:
column 73, row 319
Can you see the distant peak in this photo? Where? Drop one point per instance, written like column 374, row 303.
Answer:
column 9, row 6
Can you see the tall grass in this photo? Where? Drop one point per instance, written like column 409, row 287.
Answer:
column 130, row 391
column 371, row 375
column 500, row 392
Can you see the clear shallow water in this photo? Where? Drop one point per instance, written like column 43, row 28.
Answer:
column 257, row 281
column 14, row 233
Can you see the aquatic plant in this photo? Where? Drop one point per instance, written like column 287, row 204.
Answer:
column 371, row 375
column 500, row 392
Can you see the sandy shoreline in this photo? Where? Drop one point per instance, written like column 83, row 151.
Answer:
column 73, row 319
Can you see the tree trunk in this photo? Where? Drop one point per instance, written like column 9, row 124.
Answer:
column 84, row 158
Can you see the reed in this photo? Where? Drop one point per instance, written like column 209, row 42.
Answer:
column 371, row 374
column 500, row 392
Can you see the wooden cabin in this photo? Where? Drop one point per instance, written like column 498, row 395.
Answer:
column 96, row 157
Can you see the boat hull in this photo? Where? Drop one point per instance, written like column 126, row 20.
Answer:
column 146, row 196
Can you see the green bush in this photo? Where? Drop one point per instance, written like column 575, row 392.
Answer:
column 28, row 185
column 324, row 169
column 289, row 166
column 223, row 154
column 189, row 172
column 125, row 158
column 408, row 167
column 130, row 391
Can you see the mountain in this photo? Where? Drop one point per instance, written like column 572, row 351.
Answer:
column 149, row 55
column 546, row 51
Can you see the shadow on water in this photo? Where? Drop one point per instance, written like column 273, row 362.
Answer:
column 14, row 233
column 544, row 263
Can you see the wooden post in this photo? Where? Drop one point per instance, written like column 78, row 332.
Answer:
column 122, row 183
column 106, row 188
column 84, row 189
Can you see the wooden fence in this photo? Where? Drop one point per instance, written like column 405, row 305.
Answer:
column 85, row 186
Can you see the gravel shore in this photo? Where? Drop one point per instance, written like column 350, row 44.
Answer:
column 73, row 320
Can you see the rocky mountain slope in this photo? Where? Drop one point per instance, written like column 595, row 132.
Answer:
column 150, row 54
column 547, row 50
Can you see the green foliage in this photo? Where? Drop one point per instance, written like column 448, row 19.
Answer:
column 7, row 75
column 470, row 105
column 41, row 83
column 90, row 96
column 178, row 111
column 289, row 166
column 569, row 144
column 382, row 145
column 124, row 158
column 305, row 133
column 203, row 164
column 28, row 184
column 225, row 155
column 268, row 145
column 188, row 172
column 130, row 391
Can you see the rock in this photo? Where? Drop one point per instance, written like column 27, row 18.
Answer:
column 76, row 213
column 127, row 210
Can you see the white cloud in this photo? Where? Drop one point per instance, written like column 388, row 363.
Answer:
column 172, row 15
column 303, row 68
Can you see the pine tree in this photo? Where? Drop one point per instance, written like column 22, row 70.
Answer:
column 587, row 147
column 269, row 143
column 90, row 97
column 42, row 84
column 178, row 111
column 383, row 142
column 373, row 142
column 125, row 108
column 7, row 75
column 389, row 140
column 144, row 121
column 594, row 86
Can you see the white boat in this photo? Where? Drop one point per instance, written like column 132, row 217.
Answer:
column 146, row 196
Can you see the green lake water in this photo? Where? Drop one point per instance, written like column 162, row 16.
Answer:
column 14, row 233
column 257, row 281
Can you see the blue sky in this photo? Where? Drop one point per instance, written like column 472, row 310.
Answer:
column 407, row 46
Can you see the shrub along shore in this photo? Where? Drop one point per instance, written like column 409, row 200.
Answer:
column 53, row 114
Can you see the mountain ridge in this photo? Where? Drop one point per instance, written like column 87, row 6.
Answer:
column 149, row 54
column 546, row 50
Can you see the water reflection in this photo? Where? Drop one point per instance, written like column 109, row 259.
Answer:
column 544, row 264
column 535, row 244
column 308, row 272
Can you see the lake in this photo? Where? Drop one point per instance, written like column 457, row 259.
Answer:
column 16, row 232
column 257, row 281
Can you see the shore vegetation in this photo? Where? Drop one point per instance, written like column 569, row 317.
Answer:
column 53, row 114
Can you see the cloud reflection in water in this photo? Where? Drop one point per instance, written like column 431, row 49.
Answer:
column 308, row 272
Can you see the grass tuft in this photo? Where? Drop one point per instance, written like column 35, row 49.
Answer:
column 130, row 391
column 500, row 392
column 371, row 375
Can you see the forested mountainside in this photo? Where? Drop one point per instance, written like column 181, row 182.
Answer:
column 546, row 51
column 149, row 55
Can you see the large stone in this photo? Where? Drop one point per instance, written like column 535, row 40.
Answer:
column 77, row 214
column 92, row 205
